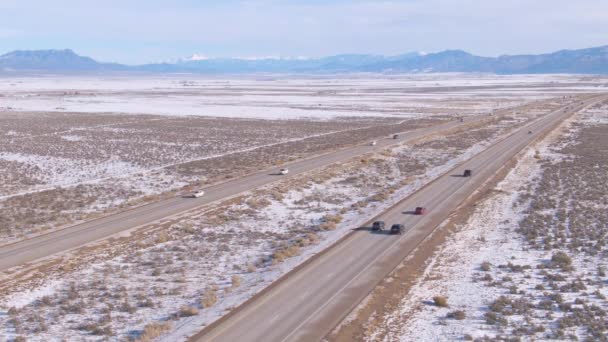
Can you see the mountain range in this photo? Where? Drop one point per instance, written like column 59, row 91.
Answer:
column 584, row 61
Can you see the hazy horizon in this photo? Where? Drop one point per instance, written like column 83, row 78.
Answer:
column 200, row 57
column 140, row 32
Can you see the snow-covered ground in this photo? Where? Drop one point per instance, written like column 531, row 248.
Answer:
column 194, row 269
column 504, row 281
column 283, row 98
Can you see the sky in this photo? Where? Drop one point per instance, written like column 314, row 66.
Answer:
column 145, row 31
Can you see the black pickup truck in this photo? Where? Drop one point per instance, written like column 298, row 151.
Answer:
column 378, row 225
column 397, row 228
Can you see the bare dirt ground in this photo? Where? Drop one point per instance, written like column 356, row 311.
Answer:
column 528, row 263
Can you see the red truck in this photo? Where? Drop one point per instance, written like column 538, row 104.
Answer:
column 420, row 211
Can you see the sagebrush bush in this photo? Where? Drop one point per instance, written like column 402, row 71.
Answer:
column 486, row 266
column 187, row 311
column 333, row 218
column 153, row 330
column 209, row 297
column 494, row 319
column 562, row 261
column 440, row 301
column 236, row 280
column 162, row 237
column 458, row 315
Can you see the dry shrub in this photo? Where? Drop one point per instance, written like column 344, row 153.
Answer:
column 13, row 311
column 258, row 203
column 277, row 195
column 330, row 222
column 46, row 300
column 187, row 311
column 379, row 197
column 162, row 237
column 188, row 228
column 562, row 260
column 236, row 280
column 307, row 240
column 152, row 331
column 440, row 301
column 387, row 153
column 486, row 266
column 458, row 315
column 127, row 307
column 209, row 297
column 285, row 253
column 97, row 329
column 494, row 319
column 327, row 226
column 333, row 218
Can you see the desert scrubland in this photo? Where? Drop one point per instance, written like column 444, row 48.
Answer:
column 105, row 146
column 61, row 167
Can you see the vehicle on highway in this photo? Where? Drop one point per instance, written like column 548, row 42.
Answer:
column 529, row 132
column 373, row 143
column 395, row 136
column 378, row 225
column 420, row 211
column 283, row 171
column 198, row 194
column 467, row 173
column 396, row 228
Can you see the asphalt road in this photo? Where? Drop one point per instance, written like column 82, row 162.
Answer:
column 78, row 235
column 309, row 302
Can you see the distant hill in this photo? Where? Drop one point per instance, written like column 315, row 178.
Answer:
column 52, row 61
column 585, row 61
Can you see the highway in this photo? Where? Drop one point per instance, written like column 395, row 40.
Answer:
column 42, row 246
column 309, row 302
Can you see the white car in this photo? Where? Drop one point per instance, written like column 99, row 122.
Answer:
column 373, row 143
column 283, row 171
column 198, row 194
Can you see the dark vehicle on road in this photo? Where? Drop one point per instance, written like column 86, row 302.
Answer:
column 378, row 225
column 395, row 136
column 396, row 228
column 529, row 132
column 467, row 173
column 420, row 211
